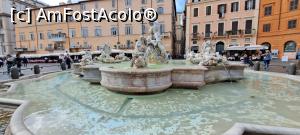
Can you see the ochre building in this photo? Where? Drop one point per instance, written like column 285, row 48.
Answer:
column 279, row 27
column 43, row 37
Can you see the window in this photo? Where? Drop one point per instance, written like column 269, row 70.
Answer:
column 160, row 10
column 41, row 36
column 127, row 2
column 234, row 6
column 292, row 24
column 162, row 28
column 221, row 29
column 268, row 10
column 248, row 40
column 41, row 46
column 128, row 43
column 82, row 6
column 84, row 32
column 113, row 3
column 144, row 1
column 1, row 25
column 114, row 31
column 195, row 29
column 22, row 36
column 248, row 27
column 195, row 12
column 222, row 10
column 49, row 34
column 235, row 25
column 250, row 4
column 207, row 30
column 294, row 4
column 72, row 33
column 266, row 27
column 98, row 32
column 159, row 1
column 128, row 30
column 290, row 46
column 31, row 36
column 208, row 10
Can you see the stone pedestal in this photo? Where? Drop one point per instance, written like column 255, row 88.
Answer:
column 136, row 81
column 188, row 77
column 77, row 69
column 231, row 72
column 91, row 73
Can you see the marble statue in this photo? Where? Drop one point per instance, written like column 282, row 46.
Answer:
column 207, row 56
column 150, row 49
column 87, row 59
column 105, row 56
column 122, row 57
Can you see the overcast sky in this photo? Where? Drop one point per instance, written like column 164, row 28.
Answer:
column 180, row 3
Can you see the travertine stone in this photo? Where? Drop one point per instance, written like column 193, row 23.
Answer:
column 188, row 77
column 91, row 74
column 133, row 81
column 77, row 69
column 231, row 72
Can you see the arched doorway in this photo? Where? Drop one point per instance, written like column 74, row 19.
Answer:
column 220, row 47
column 268, row 45
column 290, row 46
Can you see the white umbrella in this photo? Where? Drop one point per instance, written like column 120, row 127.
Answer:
column 256, row 47
column 235, row 48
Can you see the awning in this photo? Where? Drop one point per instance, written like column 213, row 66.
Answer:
column 235, row 48
column 257, row 47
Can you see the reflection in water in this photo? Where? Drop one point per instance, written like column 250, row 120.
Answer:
column 64, row 104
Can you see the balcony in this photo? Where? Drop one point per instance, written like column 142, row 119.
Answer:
column 195, row 36
column 49, row 49
column 250, row 32
column 165, row 34
column 25, row 50
column 81, row 47
column 59, row 37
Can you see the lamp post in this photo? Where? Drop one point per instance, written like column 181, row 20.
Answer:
column 142, row 12
column 1, row 44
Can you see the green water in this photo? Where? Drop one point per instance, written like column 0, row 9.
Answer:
column 63, row 104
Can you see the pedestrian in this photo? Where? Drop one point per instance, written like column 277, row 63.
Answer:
column 236, row 57
column 61, row 58
column 68, row 61
column 18, row 62
column 9, row 63
column 1, row 63
column 25, row 61
column 267, row 60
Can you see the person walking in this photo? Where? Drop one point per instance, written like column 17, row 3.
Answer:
column 25, row 61
column 267, row 60
column 1, row 63
column 18, row 62
column 9, row 63
column 68, row 61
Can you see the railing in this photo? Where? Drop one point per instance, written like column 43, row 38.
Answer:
column 60, row 37
column 195, row 36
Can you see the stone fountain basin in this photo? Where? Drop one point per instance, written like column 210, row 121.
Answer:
column 136, row 81
column 77, row 69
column 91, row 73
column 188, row 77
column 232, row 72
column 147, row 81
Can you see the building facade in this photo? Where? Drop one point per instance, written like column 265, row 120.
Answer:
column 180, row 35
column 7, row 29
column 224, row 22
column 72, row 36
column 279, row 27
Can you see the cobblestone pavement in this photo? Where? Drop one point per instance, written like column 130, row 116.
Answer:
column 279, row 67
column 4, row 120
column 51, row 67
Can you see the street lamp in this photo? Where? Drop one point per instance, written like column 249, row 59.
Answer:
column 142, row 12
column 2, row 49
